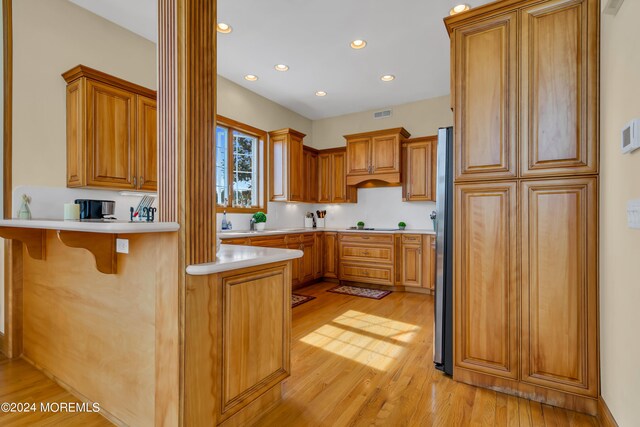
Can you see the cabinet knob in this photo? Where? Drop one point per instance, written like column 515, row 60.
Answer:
column 135, row 182
column 141, row 180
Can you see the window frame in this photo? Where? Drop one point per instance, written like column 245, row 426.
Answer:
column 233, row 125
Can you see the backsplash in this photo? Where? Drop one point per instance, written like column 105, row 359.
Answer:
column 48, row 202
column 377, row 207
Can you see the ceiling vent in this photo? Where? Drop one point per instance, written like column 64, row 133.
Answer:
column 382, row 114
column 612, row 7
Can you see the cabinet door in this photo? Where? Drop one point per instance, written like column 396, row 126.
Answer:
column 307, row 262
column 318, row 255
column 325, row 178
column 420, row 172
column 429, row 259
column 296, row 170
column 76, row 176
column 311, row 178
column 485, row 278
column 147, row 142
column 559, row 88
column 486, row 98
column 339, row 186
column 306, row 173
column 295, row 265
column 411, row 266
column 110, row 136
column 358, row 156
column 278, row 155
column 385, row 154
column 559, row 284
column 330, row 249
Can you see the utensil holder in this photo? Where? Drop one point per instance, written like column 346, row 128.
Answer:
column 320, row 223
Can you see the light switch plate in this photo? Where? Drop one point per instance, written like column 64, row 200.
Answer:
column 122, row 246
column 633, row 213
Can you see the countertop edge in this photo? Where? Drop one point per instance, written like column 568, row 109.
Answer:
column 93, row 227
column 243, row 233
column 252, row 256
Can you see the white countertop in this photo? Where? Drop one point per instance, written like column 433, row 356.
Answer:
column 109, row 227
column 270, row 232
column 234, row 257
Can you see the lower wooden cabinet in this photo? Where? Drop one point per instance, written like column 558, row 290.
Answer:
column 330, row 249
column 367, row 258
column 486, row 309
column 416, row 261
column 559, row 284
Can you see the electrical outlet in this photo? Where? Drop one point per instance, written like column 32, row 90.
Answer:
column 633, row 213
column 122, row 246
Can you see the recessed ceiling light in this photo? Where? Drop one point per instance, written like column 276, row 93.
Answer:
column 387, row 77
column 251, row 77
column 459, row 9
column 281, row 67
column 358, row 44
column 223, row 28
column 321, row 93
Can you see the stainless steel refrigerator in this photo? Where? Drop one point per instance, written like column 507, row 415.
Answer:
column 443, row 333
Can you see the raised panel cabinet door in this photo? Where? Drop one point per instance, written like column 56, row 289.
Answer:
column 559, row 284
column 339, row 185
column 330, row 248
column 420, row 172
column 296, row 265
column 296, row 170
column 485, row 79
column 307, row 264
column 385, row 154
column 485, row 278
column 147, row 142
column 318, row 255
column 76, row 176
column 306, row 165
column 429, row 259
column 358, row 156
column 111, row 147
column 311, row 178
column 559, row 88
column 278, row 161
column 325, row 178
column 411, row 268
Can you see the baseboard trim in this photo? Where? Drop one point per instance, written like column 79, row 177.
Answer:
column 605, row 417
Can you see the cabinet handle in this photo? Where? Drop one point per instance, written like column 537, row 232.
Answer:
column 141, row 180
column 408, row 195
column 135, row 182
column 365, row 237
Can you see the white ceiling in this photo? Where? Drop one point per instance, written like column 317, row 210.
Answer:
column 405, row 38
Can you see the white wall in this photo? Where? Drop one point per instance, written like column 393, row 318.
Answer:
column 619, row 245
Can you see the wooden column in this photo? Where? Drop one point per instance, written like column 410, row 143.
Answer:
column 186, row 111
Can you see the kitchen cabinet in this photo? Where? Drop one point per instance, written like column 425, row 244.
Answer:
column 429, row 280
column 526, row 211
column 485, row 278
column 416, row 261
column 367, row 258
column 375, row 156
column 111, row 132
column 559, row 284
column 330, row 249
column 332, row 186
column 419, row 169
column 485, row 84
column 311, row 180
column 559, row 88
column 286, row 166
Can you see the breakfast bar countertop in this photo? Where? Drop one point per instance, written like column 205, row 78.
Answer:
column 234, row 257
column 93, row 226
column 231, row 234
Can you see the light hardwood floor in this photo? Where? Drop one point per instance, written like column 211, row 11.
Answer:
column 355, row 362
column 362, row 362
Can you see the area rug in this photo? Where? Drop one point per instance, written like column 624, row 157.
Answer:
column 360, row 292
column 297, row 299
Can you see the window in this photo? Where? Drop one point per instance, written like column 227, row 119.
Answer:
column 240, row 166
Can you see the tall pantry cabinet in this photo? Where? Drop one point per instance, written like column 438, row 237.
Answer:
column 525, row 100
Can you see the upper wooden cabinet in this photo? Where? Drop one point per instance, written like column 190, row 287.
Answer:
column 559, row 88
column 546, row 50
column 485, row 84
column 375, row 156
column 311, row 187
column 111, row 132
column 332, row 168
column 419, row 169
column 286, row 166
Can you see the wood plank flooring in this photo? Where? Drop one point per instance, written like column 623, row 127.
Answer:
column 355, row 362
column 363, row 362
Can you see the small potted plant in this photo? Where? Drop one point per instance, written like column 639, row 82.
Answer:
column 402, row 225
column 261, row 220
column 360, row 225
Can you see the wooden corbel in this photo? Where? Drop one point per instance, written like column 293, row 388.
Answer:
column 32, row 238
column 102, row 246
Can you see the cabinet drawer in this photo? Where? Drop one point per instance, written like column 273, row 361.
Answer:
column 356, row 272
column 367, row 238
column 412, row 238
column 237, row 241
column 352, row 252
column 269, row 242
